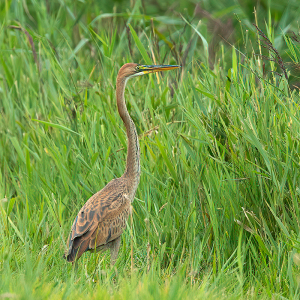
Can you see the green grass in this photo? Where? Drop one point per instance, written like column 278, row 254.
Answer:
column 216, row 214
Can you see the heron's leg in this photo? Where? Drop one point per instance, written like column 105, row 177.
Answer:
column 114, row 250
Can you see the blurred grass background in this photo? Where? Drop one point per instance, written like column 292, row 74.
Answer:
column 216, row 214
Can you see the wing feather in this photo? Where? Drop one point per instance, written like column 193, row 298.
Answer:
column 100, row 220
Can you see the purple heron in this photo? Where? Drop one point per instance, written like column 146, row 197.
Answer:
column 101, row 221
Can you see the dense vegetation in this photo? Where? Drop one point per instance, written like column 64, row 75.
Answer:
column 216, row 214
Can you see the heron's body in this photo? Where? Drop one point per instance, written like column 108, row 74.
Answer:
column 101, row 221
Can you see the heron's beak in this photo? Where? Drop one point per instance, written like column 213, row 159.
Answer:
column 156, row 68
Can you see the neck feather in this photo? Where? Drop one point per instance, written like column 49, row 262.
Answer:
column 133, row 150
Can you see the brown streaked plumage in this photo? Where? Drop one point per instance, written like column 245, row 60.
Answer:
column 101, row 221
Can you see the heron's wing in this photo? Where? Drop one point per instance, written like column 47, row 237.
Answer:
column 93, row 226
column 112, row 226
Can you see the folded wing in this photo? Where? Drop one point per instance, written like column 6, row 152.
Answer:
column 101, row 220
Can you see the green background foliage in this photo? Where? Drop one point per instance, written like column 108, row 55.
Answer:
column 216, row 214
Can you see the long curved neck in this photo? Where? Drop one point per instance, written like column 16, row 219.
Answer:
column 132, row 171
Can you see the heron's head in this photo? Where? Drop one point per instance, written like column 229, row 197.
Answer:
column 131, row 69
